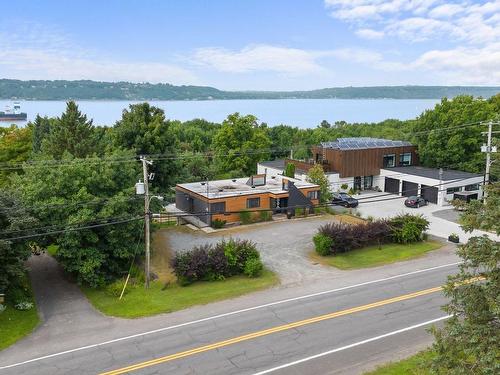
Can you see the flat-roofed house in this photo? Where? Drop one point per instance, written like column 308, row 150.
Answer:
column 225, row 199
column 380, row 164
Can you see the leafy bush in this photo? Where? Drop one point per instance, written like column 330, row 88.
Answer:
column 319, row 210
column 322, row 244
column 114, row 289
column 218, row 223
column 245, row 217
column 407, row 228
column 253, row 267
column 345, row 237
column 344, row 186
column 265, row 215
column 299, row 211
column 214, row 262
column 24, row 305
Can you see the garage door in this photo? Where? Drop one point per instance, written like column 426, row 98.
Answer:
column 409, row 188
column 430, row 193
column 391, row 185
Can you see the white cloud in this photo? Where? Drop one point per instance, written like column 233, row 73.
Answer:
column 464, row 65
column 33, row 51
column 370, row 34
column 446, row 11
column 418, row 20
column 260, row 57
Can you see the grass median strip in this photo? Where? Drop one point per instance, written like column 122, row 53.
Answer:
column 272, row 330
column 158, row 299
column 373, row 256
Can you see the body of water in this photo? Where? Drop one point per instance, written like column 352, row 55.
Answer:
column 304, row 113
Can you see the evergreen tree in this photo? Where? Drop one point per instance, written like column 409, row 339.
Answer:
column 41, row 130
column 71, row 133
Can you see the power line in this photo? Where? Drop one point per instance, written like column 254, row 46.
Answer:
column 70, row 229
column 176, row 156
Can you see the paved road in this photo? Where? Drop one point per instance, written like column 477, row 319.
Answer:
column 380, row 205
column 265, row 337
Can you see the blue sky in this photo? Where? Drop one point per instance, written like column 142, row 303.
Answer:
column 254, row 44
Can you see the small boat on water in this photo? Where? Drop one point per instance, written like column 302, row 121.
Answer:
column 13, row 114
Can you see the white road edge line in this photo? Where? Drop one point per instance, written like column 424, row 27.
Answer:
column 226, row 315
column 351, row 345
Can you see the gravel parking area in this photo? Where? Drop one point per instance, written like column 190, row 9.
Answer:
column 284, row 246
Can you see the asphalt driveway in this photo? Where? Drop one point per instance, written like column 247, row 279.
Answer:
column 379, row 205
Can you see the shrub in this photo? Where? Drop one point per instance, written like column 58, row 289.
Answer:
column 218, row 223
column 299, row 211
column 265, row 215
column 322, row 244
column 24, row 305
column 253, row 267
column 344, row 186
column 214, row 262
column 407, row 228
column 320, row 210
column 245, row 217
column 351, row 191
column 346, row 237
column 114, row 289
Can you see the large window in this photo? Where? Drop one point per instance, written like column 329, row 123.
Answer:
column 405, row 159
column 389, row 161
column 453, row 190
column 218, row 208
column 472, row 187
column 253, row 202
column 313, row 194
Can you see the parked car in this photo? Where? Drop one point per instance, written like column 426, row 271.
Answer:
column 344, row 199
column 415, row 202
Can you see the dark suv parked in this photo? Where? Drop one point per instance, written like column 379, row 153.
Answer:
column 344, row 199
column 415, row 202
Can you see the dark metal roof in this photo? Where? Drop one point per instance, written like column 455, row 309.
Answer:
column 448, row 174
column 277, row 164
column 363, row 143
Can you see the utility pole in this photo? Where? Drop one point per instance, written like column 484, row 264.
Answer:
column 488, row 149
column 440, row 192
column 147, row 233
column 488, row 160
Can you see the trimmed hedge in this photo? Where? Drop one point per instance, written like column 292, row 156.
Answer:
column 335, row 238
column 216, row 262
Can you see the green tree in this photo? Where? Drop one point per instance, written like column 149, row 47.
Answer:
column 457, row 146
column 470, row 340
column 240, row 144
column 290, row 170
column 71, row 133
column 41, row 130
column 15, row 147
column 317, row 176
column 14, row 217
column 84, row 191
column 144, row 130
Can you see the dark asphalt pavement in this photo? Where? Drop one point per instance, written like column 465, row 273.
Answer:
column 275, row 348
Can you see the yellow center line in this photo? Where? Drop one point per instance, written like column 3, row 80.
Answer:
column 269, row 331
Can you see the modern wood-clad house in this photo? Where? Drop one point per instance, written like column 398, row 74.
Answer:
column 225, row 199
column 380, row 164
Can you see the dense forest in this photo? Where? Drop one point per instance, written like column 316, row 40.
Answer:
column 64, row 172
column 91, row 90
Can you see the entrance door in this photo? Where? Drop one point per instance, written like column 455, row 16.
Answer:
column 367, row 182
column 357, row 183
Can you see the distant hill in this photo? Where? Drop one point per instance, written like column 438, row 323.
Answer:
column 92, row 90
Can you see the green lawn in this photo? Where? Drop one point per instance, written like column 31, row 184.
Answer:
column 141, row 302
column 15, row 324
column 374, row 256
column 415, row 365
